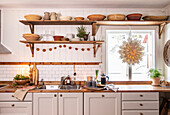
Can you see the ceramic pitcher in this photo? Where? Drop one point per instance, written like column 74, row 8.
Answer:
column 46, row 16
column 53, row 16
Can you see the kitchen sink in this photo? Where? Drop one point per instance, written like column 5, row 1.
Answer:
column 70, row 87
column 60, row 87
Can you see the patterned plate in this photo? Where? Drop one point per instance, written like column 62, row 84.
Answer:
column 166, row 53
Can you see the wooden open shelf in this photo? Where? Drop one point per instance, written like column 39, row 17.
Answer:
column 57, row 22
column 50, row 63
column 95, row 44
column 131, row 23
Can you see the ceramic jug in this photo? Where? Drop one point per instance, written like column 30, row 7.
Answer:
column 46, row 16
column 53, row 16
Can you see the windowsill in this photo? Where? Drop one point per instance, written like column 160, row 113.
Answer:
column 130, row 82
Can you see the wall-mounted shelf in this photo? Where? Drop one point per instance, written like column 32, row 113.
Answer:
column 50, row 63
column 96, row 44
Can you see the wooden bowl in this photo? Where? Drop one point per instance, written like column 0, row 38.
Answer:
column 79, row 18
column 155, row 18
column 31, row 37
column 116, row 17
column 134, row 17
column 21, row 82
column 96, row 17
column 58, row 38
column 32, row 17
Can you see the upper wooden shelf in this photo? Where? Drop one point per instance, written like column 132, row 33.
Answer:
column 62, row 42
column 56, row 22
column 131, row 23
column 87, row 22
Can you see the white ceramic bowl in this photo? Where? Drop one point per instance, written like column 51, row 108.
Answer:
column 65, row 17
column 74, row 39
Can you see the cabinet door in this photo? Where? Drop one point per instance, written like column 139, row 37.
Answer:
column 70, row 103
column 15, row 108
column 45, row 103
column 102, row 104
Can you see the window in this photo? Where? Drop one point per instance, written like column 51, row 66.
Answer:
column 116, row 69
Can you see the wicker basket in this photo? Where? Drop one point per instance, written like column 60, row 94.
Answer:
column 32, row 17
column 155, row 18
column 31, row 37
column 96, row 17
column 116, row 17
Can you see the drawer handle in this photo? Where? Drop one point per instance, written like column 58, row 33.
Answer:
column 102, row 95
column 141, row 104
column 141, row 95
column 55, row 95
column 12, row 96
column 61, row 95
column 141, row 113
column 12, row 105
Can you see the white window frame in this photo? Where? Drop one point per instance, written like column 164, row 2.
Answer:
column 157, row 46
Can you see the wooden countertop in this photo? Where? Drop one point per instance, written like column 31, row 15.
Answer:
column 122, row 88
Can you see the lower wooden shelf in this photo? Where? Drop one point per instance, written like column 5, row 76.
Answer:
column 96, row 44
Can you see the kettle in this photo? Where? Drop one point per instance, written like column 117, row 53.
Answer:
column 103, row 79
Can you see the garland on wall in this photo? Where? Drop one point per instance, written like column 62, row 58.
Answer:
column 63, row 46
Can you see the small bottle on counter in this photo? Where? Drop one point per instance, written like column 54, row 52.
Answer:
column 68, row 80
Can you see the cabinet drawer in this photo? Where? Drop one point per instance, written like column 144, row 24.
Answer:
column 9, row 97
column 140, row 105
column 141, row 96
column 141, row 112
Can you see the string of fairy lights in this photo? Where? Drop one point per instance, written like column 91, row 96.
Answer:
column 38, row 49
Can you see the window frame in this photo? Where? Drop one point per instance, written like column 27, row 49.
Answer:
column 156, row 46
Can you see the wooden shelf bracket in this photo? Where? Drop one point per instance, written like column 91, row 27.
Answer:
column 161, row 28
column 31, row 27
column 95, row 48
column 32, row 48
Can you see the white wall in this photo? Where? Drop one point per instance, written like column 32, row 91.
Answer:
column 166, row 37
column 12, row 31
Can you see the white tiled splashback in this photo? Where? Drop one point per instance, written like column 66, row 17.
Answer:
column 48, row 72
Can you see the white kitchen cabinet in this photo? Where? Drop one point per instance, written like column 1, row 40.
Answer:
column 15, row 108
column 140, row 103
column 70, row 103
column 102, row 103
column 45, row 104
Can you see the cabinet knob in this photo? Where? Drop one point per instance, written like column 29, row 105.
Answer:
column 141, row 104
column 61, row 95
column 12, row 96
column 141, row 95
column 55, row 95
column 12, row 105
column 102, row 95
column 141, row 113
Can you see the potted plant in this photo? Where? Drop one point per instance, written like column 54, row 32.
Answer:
column 155, row 76
column 81, row 31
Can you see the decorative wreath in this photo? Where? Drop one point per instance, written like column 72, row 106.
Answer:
column 131, row 51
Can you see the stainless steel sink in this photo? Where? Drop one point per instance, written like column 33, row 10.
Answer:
column 60, row 87
column 70, row 87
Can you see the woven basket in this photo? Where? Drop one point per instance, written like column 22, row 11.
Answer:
column 116, row 17
column 96, row 17
column 32, row 17
column 31, row 37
